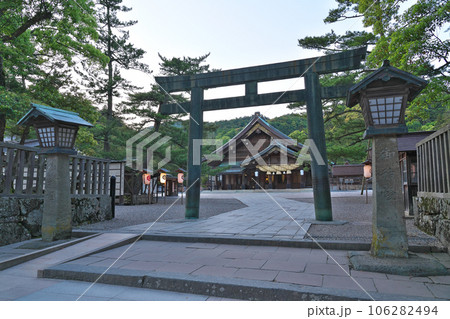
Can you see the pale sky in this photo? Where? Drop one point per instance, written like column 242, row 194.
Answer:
column 237, row 33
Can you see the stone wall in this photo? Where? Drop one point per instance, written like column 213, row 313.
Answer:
column 21, row 217
column 431, row 214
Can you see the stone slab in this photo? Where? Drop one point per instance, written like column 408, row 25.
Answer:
column 214, row 286
column 41, row 252
column 320, row 222
column 278, row 242
column 412, row 266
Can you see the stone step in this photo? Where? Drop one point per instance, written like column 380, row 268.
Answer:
column 241, row 289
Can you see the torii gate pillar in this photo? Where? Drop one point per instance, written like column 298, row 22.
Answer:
column 194, row 168
column 251, row 76
column 316, row 132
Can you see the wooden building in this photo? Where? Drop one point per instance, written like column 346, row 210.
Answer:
column 347, row 176
column 408, row 166
column 259, row 156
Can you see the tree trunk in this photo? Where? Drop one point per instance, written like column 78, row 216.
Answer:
column 109, row 111
column 2, row 116
column 2, row 126
column 24, row 135
column 2, row 73
column 157, row 121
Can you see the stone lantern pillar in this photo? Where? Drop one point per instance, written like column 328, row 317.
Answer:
column 56, row 130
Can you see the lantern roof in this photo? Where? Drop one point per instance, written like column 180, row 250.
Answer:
column 53, row 115
column 385, row 74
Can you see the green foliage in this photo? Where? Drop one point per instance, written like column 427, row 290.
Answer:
column 85, row 142
column 38, row 43
column 343, row 133
column 227, row 129
column 118, row 136
column 145, row 107
column 12, row 107
column 35, row 33
column 411, row 41
column 184, row 65
column 108, row 83
column 299, row 135
column 289, row 122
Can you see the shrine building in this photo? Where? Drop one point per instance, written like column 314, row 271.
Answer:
column 259, row 156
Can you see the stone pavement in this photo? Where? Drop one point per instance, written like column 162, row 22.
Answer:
column 215, row 270
column 13, row 250
column 236, row 269
column 21, row 282
column 263, row 218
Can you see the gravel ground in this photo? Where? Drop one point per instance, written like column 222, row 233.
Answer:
column 141, row 214
column 358, row 214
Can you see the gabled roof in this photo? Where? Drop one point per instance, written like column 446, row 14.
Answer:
column 258, row 119
column 407, row 142
column 386, row 73
column 233, row 170
column 274, row 145
column 53, row 115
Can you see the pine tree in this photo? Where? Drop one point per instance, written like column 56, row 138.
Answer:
column 412, row 40
column 114, row 43
column 147, row 105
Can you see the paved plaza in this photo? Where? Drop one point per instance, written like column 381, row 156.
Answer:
column 271, row 258
column 262, row 218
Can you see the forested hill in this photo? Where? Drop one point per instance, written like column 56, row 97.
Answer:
column 287, row 124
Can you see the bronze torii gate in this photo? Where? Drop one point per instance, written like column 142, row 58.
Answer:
column 250, row 76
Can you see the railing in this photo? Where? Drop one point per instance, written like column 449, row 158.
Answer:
column 89, row 175
column 433, row 160
column 22, row 172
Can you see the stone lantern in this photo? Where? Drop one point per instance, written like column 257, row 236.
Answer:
column 56, row 130
column 383, row 97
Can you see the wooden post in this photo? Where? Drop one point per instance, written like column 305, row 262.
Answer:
column 100, row 178
column 94, row 177
column 30, row 172
column 20, row 171
column 367, row 196
column 40, row 175
column 88, row 176
column 106, row 178
column 81, row 188
column 182, row 190
column 9, row 171
column 194, row 169
column 289, row 181
column 74, row 175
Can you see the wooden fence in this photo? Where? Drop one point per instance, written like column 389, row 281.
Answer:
column 22, row 172
column 433, row 160
column 89, row 176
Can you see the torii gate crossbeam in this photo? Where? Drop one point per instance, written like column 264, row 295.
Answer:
column 250, row 76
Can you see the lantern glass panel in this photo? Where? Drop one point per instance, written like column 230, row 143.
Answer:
column 66, row 137
column 47, row 136
column 386, row 110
